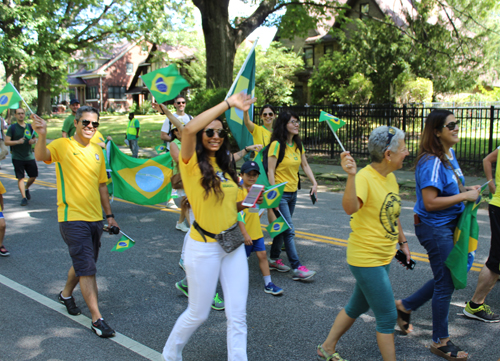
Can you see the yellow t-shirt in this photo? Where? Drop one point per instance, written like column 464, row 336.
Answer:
column 375, row 232
column 252, row 220
column 97, row 138
column 79, row 172
column 261, row 135
column 2, row 189
column 212, row 214
column 495, row 200
column 288, row 169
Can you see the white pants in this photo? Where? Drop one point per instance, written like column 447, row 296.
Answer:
column 186, row 237
column 205, row 263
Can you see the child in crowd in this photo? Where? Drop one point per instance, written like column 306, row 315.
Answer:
column 251, row 229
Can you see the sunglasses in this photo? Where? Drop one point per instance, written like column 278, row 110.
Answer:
column 267, row 114
column 181, row 102
column 294, row 122
column 452, row 125
column 211, row 132
column 86, row 123
column 390, row 134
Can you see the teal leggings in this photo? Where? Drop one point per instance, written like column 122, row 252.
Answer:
column 373, row 290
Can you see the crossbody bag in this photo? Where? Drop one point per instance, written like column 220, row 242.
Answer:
column 229, row 240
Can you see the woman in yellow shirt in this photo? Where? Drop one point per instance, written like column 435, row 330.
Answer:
column 211, row 186
column 261, row 133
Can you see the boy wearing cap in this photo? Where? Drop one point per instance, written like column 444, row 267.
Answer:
column 251, row 229
column 68, row 129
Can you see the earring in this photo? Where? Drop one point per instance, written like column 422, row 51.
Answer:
column 389, row 160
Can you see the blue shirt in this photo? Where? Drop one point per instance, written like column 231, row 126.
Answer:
column 431, row 172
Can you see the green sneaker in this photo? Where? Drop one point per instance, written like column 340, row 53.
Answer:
column 182, row 286
column 218, row 303
column 482, row 313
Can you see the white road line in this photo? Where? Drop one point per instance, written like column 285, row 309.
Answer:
column 120, row 339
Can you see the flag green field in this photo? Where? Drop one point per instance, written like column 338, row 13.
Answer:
column 9, row 96
column 141, row 181
column 160, row 148
column 334, row 122
column 262, row 176
column 165, row 83
column 241, row 217
column 272, row 196
column 277, row 227
column 123, row 244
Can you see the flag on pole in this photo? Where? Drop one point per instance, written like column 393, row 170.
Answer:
column 140, row 181
column 9, row 96
column 244, row 82
column 165, row 83
column 277, row 227
column 272, row 196
column 160, row 148
column 123, row 244
column 262, row 176
column 334, row 122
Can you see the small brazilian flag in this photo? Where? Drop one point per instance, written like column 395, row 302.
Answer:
column 165, row 83
column 262, row 176
column 334, row 122
column 8, row 97
column 123, row 244
column 160, row 148
column 272, row 196
column 241, row 217
column 277, row 227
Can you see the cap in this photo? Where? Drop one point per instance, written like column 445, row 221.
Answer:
column 174, row 127
column 74, row 101
column 250, row 166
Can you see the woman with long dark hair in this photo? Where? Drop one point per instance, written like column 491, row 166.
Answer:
column 440, row 197
column 261, row 133
column 211, row 185
column 285, row 155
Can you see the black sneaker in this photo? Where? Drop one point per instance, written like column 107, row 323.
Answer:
column 482, row 313
column 28, row 195
column 102, row 329
column 24, row 202
column 70, row 305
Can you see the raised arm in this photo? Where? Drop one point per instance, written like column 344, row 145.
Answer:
column 173, row 119
column 40, row 126
column 248, row 123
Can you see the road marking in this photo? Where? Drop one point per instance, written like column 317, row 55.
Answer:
column 120, row 339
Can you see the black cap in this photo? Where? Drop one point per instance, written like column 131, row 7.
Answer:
column 249, row 166
column 74, row 101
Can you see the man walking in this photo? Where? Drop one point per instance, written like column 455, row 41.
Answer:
column 68, row 129
column 179, row 105
column 20, row 137
column 133, row 130
column 81, row 190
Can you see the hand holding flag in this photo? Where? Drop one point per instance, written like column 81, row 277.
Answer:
column 334, row 123
column 272, row 196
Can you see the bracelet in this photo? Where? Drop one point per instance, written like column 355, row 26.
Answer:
column 110, row 215
column 228, row 106
column 246, row 150
column 401, row 243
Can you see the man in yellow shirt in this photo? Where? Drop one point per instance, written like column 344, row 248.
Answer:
column 81, row 190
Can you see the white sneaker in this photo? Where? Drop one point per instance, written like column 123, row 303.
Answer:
column 171, row 204
column 181, row 227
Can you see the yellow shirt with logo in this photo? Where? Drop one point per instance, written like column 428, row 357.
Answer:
column 375, row 232
column 79, row 172
column 213, row 214
column 97, row 138
column 261, row 135
column 495, row 200
column 288, row 169
column 252, row 220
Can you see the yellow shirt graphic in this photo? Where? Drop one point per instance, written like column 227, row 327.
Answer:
column 261, row 135
column 288, row 169
column 375, row 232
column 79, row 172
column 252, row 220
column 212, row 214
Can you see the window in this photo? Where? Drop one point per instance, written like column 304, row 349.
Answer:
column 364, row 9
column 328, row 48
column 73, row 68
column 91, row 92
column 90, row 66
column 309, row 57
column 116, row 92
column 130, row 68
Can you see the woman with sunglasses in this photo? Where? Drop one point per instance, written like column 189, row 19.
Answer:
column 261, row 134
column 440, row 197
column 286, row 146
column 371, row 198
column 211, row 186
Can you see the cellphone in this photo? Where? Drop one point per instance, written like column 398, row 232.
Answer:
column 313, row 196
column 400, row 256
column 253, row 195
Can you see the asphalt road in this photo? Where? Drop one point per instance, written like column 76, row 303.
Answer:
column 139, row 300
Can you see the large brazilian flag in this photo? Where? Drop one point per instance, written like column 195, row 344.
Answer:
column 244, row 82
column 165, row 83
column 140, row 181
column 9, row 97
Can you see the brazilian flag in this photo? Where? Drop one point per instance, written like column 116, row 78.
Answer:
column 160, row 148
column 244, row 82
column 262, row 176
column 272, row 196
column 277, row 227
column 123, row 244
column 334, row 122
column 241, row 217
column 165, row 83
column 140, row 181
column 8, row 97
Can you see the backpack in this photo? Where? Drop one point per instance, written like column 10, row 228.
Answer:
column 281, row 155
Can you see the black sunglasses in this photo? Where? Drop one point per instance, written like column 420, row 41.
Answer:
column 452, row 125
column 86, row 123
column 181, row 102
column 267, row 114
column 211, row 132
column 390, row 134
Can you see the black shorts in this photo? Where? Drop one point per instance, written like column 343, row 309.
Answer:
column 25, row 165
column 493, row 262
column 83, row 240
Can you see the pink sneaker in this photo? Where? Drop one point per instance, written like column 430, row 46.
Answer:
column 302, row 273
column 278, row 265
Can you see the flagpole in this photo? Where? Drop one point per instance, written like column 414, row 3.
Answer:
column 281, row 214
column 241, row 69
column 126, row 236
column 22, row 98
column 335, row 134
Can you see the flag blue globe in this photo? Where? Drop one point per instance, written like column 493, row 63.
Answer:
column 149, row 179
column 161, row 86
column 4, row 99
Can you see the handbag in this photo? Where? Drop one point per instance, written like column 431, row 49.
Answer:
column 176, row 181
column 229, row 240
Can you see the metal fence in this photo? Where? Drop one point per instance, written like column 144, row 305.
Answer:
column 479, row 127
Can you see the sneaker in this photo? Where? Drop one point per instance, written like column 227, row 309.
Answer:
column 181, row 227
column 218, row 303
column 482, row 313
column 102, row 329
column 278, row 265
column 171, row 204
column 273, row 289
column 70, row 305
column 28, row 195
column 3, row 251
column 302, row 273
column 24, row 202
column 182, row 287
column 181, row 264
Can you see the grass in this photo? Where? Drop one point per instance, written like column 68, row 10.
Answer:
column 116, row 126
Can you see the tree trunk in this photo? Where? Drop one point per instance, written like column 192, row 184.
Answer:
column 44, row 94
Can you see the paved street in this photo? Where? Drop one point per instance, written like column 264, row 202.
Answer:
column 138, row 298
